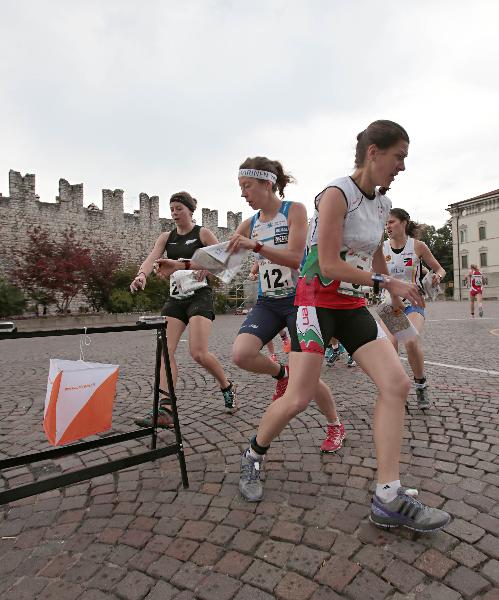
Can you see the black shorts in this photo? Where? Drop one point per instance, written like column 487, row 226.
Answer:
column 200, row 304
column 269, row 316
column 315, row 326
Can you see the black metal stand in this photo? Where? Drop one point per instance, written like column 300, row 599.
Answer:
column 24, row 491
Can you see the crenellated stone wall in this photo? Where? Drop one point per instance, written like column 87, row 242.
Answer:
column 132, row 234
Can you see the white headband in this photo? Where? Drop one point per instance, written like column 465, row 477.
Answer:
column 257, row 174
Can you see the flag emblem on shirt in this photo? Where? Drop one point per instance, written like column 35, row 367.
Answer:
column 408, row 261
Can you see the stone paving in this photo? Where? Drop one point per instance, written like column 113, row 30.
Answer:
column 138, row 534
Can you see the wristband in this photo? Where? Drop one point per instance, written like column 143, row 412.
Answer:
column 258, row 247
column 186, row 262
column 377, row 279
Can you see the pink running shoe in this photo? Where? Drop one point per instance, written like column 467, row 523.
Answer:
column 281, row 385
column 334, row 438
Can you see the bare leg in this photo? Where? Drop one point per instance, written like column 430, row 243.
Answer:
column 270, row 347
column 325, row 401
column 414, row 348
column 246, row 355
column 199, row 332
column 175, row 329
column 381, row 363
column 304, row 373
column 472, row 304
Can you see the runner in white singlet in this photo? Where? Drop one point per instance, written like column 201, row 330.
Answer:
column 404, row 255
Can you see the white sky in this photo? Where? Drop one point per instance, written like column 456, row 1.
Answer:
column 157, row 96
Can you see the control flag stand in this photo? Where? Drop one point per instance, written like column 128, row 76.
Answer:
column 31, row 489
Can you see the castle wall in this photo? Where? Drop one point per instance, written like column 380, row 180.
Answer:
column 133, row 235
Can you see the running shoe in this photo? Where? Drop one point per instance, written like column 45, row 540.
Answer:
column 422, row 396
column 407, row 511
column 341, row 348
column 480, row 311
column 331, row 355
column 250, row 486
column 165, row 417
column 230, row 399
column 351, row 362
column 334, row 438
column 286, row 345
column 273, row 357
column 281, row 385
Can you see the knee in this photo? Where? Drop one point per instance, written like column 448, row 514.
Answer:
column 199, row 355
column 412, row 346
column 396, row 387
column 295, row 404
column 240, row 356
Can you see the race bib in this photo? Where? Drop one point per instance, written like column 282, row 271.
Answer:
column 476, row 281
column 183, row 284
column 275, row 280
column 359, row 260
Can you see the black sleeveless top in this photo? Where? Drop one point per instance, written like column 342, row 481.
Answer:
column 183, row 246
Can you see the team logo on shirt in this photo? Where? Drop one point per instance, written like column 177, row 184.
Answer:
column 388, row 257
column 187, row 242
column 408, row 261
column 281, row 235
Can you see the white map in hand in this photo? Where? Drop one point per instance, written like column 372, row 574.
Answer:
column 219, row 262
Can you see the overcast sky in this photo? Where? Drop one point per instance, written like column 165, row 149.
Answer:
column 157, row 96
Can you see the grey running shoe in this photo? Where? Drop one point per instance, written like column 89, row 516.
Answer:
column 250, row 486
column 422, row 395
column 230, row 399
column 331, row 355
column 480, row 311
column 351, row 362
column 406, row 511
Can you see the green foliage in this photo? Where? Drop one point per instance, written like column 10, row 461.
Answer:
column 12, row 300
column 220, row 303
column 439, row 241
column 120, row 301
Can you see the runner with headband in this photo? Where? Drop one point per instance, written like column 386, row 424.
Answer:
column 276, row 233
column 404, row 255
column 346, row 244
column 190, row 302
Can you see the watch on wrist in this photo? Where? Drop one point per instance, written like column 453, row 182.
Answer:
column 377, row 279
column 258, row 247
column 186, row 262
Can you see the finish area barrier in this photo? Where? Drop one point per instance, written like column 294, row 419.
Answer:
column 71, row 477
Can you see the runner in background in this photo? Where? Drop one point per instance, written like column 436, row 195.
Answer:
column 475, row 281
column 190, row 302
column 404, row 255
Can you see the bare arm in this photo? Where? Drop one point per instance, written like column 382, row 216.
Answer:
column 425, row 254
column 147, row 266
column 292, row 255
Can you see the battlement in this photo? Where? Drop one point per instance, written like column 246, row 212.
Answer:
column 132, row 234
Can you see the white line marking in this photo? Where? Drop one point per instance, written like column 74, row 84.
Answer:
column 462, row 319
column 458, row 367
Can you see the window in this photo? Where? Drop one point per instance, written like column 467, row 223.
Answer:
column 464, row 261
column 463, row 235
column 483, row 259
column 481, row 232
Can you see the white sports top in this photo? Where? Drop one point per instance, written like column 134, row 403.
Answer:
column 403, row 265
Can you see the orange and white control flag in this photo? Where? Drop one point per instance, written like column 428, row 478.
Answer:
column 79, row 400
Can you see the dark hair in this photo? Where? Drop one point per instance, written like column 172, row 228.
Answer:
column 411, row 227
column 383, row 134
column 263, row 163
column 186, row 199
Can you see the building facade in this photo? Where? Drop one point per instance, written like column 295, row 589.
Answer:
column 475, row 240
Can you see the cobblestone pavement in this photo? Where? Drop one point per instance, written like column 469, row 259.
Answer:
column 137, row 534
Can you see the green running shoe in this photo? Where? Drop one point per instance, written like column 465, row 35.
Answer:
column 230, row 399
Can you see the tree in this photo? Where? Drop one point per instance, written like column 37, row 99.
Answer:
column 12, row 300
column 439, row 241
column 52, row 269
column 98, row 274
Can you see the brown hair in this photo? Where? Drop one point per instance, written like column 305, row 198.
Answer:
column 383, row 134
column 411, row 227
column 263, row 163
column 186, row 199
